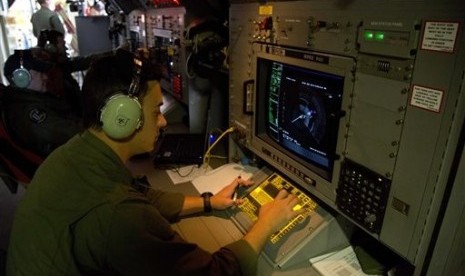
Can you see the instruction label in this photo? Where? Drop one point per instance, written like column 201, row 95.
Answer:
column 426, row 98
column 440, row 36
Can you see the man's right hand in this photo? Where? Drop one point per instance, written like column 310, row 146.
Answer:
column 272, row 216
column 278, row 212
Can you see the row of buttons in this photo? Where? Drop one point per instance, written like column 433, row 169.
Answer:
column 362, row 195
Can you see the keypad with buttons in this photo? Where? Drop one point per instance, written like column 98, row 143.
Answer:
column 362, row 195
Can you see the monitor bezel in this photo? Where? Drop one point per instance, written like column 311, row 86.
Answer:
column 303, row 172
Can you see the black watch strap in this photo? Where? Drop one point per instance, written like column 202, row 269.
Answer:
column 207, row 206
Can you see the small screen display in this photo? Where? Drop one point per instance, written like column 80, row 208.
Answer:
column 300, row 110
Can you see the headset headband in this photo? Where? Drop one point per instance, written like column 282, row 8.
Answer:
column 135, row 83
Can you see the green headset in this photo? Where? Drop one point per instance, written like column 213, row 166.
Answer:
column 21, row 76
column 121, row 115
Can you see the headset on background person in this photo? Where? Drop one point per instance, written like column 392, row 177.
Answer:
column 21, row 77
column 47, row 41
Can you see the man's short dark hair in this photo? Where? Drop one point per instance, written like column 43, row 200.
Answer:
column 111, row 75
column 48, row 36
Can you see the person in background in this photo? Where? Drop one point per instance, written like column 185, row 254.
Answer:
column 55, row 50
column 36, row 114
column 95, row 218
column 95, row 8
column 46, row 18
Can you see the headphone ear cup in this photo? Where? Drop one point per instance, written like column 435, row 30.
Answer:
column 121, row 116
column 21, row 77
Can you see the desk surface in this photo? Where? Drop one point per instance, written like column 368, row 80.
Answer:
column 158, row 177
column 191, row 227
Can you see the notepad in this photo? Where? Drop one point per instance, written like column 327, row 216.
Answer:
column 214, row 180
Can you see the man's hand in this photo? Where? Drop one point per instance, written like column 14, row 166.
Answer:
column 279, row 211
column 272, row 216
column 225, row 197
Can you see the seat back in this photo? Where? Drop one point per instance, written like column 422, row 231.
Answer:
column 15, row 160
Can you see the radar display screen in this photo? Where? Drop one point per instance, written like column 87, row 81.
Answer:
column 301, row 109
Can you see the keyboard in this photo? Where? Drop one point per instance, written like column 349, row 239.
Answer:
column 265, row 192
column 180, row 148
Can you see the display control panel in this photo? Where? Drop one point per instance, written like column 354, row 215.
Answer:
column 362, row 195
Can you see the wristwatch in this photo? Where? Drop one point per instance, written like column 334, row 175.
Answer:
column 207, row 207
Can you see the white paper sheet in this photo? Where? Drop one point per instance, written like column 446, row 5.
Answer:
column 342, row 262
column 214, row 180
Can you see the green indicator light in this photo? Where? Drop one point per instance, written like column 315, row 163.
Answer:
column 379, row 36
column 369, row 35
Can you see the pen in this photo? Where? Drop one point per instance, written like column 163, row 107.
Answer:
column 234, row 196
column 235, row 190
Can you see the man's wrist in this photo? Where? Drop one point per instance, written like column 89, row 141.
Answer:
column 207, row 206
